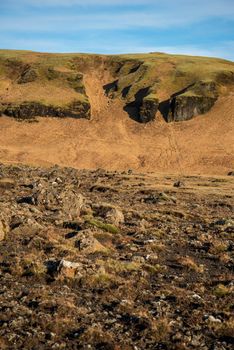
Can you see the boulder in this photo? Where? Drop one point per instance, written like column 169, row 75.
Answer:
column 66, row 200
column 68, row 268
column 110, row 213
column 87, row 243
column 115, row 216
column 31, row 227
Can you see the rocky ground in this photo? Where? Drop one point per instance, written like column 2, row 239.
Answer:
column 115, row 261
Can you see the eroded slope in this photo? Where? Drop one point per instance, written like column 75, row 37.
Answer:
column 114, row 139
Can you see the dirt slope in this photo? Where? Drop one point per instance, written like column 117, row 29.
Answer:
column 113, row 141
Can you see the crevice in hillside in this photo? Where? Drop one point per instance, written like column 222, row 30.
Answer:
column 133, row 108
column 110, row 87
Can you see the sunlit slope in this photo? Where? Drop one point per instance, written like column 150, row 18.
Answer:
column 115, row 137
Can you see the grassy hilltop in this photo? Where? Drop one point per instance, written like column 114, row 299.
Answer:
column 53, row 84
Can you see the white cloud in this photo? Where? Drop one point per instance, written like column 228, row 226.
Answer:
column 68, row 22
column 76, row 18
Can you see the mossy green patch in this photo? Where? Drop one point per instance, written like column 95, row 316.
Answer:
column 103, row 226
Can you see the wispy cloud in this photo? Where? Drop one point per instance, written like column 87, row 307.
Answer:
column 104, row 20
column 185, row 26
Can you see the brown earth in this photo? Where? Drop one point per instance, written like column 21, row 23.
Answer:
column 115, row 260
column 111, row 140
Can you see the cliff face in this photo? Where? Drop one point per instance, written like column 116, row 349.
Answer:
column 29, row 110
column 148, row 109
column 185, row 107
column 195, row 100
column 180, row 87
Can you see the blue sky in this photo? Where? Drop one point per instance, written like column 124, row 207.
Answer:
column 197, row 27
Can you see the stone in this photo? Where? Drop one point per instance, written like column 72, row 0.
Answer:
column 115, row 216
column 66, row 200
column 214, row 320
column 179, row 184
column 152, row 258
column 68, row 268
column 87, row 243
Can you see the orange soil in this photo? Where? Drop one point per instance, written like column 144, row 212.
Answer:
column 113, row 141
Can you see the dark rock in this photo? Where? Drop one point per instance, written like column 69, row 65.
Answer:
column 29, row 110
column 148, row 109
column 26, row 200
column 186, row 107
column 231, row 173
column 179, row 184
column 197, row 99
column 72, row 225
column 16, row 221
column 155, row 198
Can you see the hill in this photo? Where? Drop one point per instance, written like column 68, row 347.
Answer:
column 134, row 111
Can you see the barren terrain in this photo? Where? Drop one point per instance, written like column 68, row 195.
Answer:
column 113, row 141
column 115, row 260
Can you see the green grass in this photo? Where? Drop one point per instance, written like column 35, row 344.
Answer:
column 164, row 74
column 103, row 226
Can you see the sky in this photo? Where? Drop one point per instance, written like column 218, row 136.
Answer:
column 195, row 27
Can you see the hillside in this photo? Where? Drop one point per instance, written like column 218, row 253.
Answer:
column 151, row 112
column 116, row 211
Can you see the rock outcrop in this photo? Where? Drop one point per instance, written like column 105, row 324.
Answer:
column 35, row 84
column 148, row 109
column 197, row 99
column 29, row 110
column 185, row 107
